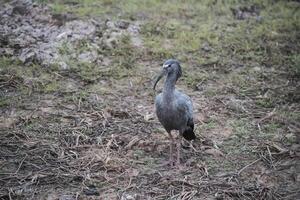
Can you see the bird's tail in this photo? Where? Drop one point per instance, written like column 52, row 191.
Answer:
column 189, row 134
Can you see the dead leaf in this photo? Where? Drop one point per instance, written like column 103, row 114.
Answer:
column 107, row 160
column 134, row 140
column 200, row 118
column 214, row 152
column 279, row 149
column 7, row 122
column 106, row 114
column 109, row 194
column 36, row 176
column 133, row 172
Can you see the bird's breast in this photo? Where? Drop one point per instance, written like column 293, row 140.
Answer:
column 171, row 117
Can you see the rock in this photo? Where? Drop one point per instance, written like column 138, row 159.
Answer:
column 71, row 86
column 6, row 52
column 257, row 69
column 148, row 116
column 4, row 39
column 27, row 55
column 126, row 196
column 110, row 194
column 63, row 66
column 136, row 41
column 21, row 7
column 291, row 137
column 236, row 105
column 67, row 197
column 205, row 47
column 122, row 24
column 242, row 13
column 59, row 19
column 110, row 24
column 88, row 57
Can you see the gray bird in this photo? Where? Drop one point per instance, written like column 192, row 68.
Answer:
column 174, row 109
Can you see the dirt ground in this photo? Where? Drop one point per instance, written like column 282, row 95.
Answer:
column 77, row 117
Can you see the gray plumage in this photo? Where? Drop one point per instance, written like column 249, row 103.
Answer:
column 174, row 109
column 175, row 112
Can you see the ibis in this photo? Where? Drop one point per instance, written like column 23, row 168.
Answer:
column 174, row 109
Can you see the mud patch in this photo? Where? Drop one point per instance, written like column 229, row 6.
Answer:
column 33, row 34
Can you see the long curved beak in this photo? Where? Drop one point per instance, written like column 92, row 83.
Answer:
column 158, row 78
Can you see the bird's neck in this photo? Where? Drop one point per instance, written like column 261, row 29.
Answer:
column 169, row 87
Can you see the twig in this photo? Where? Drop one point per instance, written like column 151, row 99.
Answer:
column 188, row 195
column 191, row 146
column 270, row 155
column 132, row 142
column 57, row 74
column 21, row 163
column 108, row 144
column 258, row 126
column 245, row 167
column 270, row 114
column 9, row 195
column 128, row 186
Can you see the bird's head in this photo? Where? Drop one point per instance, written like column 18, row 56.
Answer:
column 170, row 67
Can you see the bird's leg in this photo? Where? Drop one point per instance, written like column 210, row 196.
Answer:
column 178, row 149
column 171, row 160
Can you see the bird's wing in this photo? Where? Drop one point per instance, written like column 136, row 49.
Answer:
column 158, row 105
column 158, row 101
column 186, row 105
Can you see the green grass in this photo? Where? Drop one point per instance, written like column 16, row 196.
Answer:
column 52, row 87
column 122, row 53
column 193, row 79
column 30, row 78
column 265, row 103
column 211, row 124
column 5, row 102
column 125, row 54
column 295, row 63
column 178, row 28
column 242, row 128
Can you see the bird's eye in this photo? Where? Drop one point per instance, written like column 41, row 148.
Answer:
column 167, row 66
